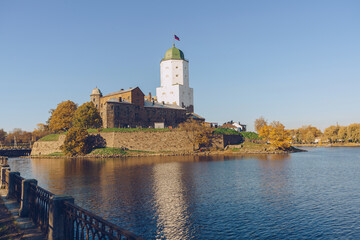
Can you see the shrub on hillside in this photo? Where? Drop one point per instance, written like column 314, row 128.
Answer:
column 76, row 142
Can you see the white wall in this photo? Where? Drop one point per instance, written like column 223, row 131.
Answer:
column 174, row 76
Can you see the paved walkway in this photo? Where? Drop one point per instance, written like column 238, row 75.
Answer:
column 14, row 227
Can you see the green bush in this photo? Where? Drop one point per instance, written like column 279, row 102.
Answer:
column 251, row 135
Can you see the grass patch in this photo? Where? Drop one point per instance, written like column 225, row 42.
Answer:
column 56, row 154
column 139, row 151
column 93, row 130
column 226, row 131
column 108, row 151
column 251, row 135
column 135, row 130
column 50, row 137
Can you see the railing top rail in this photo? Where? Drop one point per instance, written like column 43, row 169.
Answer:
column 19, row 177
column 42, row 190
column 124, row 232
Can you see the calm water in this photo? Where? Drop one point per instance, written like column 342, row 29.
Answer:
column 299, row 196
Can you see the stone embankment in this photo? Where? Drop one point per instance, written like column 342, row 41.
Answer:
column 47, row 147
column 172, row 141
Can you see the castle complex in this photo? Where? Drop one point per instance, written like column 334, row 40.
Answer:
column 131, row 108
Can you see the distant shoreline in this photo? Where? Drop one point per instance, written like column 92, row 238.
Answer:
column 328, row 145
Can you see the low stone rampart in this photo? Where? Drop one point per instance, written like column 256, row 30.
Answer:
column 171, row 141
column 47, row 147
column 149, row 141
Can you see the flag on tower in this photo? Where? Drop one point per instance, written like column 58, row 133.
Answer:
column 176, row 37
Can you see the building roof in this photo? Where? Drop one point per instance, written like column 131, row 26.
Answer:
column 174, row 53
column 121, row 91
column 194, row 116
column 160, row 105
column 96, row 91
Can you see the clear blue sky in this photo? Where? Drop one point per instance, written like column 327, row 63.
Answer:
column 292, row 61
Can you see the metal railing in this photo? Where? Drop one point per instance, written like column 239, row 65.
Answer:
column 18, row 187
column 82, row 224
column 39, row 203
column 74, row 221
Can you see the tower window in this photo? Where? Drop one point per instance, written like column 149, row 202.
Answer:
column 177, row 67
column 177, row 75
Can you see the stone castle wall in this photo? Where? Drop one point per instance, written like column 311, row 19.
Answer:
column 144, row 141
column 47, row 147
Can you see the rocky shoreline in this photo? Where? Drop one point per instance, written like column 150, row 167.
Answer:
column 228, row 151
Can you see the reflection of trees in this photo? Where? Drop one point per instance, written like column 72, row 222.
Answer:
column 274, row 177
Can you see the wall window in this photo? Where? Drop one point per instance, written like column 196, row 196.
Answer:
column 177, row 75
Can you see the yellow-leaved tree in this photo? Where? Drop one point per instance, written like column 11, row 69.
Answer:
column 197, row 133
column 76, row 142
column 87, row 116
column 61, row 118
column 259, row 123
column 276, row 135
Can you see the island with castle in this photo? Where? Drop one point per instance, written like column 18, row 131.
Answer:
column 173, row 103
column 139, row 113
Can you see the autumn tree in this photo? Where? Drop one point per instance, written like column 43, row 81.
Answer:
column 87, row 116
column 40, row 131
column 343, row 134
column 3, row 135
column 19, row 136
column 305, row 134
column 331, row 133
column 76, row 142
column 197, row 133
column 61, row 118
column 276, row 135
column 259, row 123
column 353, row 132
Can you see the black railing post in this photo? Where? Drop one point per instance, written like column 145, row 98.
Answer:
column 11, row 190
column 25, row 197
column 3, row 175
column 57, row 215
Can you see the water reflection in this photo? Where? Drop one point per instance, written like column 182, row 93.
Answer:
column 181, row 197
column 170, row 205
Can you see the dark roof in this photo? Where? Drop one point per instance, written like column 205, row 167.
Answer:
column 121, row 91
column 194, row 116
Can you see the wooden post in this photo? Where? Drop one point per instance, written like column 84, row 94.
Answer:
column 57, row 216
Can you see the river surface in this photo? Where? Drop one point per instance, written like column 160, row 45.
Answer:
column 315, row 194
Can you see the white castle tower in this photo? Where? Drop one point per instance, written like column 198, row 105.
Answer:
column 174, row 76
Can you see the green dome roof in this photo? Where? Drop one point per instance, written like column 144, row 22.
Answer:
column 174, row 53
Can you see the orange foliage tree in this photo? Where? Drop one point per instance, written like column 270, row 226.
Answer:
column 197, row 133
column 61, row 118
column 276, row 135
